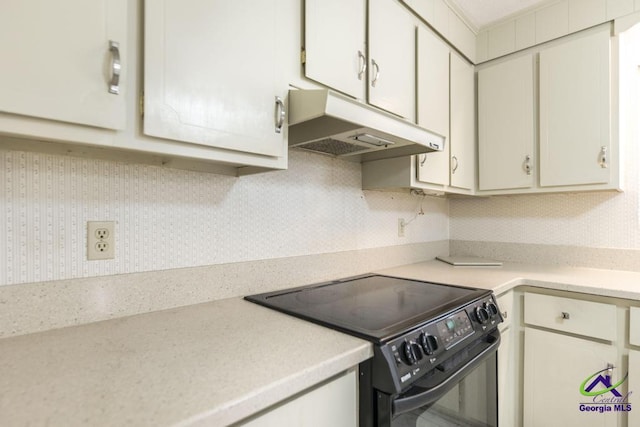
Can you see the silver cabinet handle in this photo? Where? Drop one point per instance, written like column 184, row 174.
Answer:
column 454, row 164
column 424, row 159
column 114, row 84
column 375, row 66
column 363, row 64
column 603, row 157
column 566, row 315
column 527, row 164
column 281, row 114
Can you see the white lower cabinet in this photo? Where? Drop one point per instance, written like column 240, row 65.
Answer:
column 334, row 403
column 572, row 362
column 555, row 367
column 508, row 364
column 634, row 387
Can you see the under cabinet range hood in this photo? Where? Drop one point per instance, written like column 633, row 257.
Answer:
column 328, row 122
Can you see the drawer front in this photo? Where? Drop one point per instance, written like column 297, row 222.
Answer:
column 591, row 319
column 634, row 326
column 505, row 305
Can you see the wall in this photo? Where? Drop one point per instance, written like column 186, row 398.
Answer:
column 168, row 219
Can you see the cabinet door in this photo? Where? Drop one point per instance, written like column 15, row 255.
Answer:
column 634, row 386
column 332, row 404
column 505, row 124
column 463, row 124
column 212, row 74
column 555, row 366
column 433, row 103
column 57, row 62
column 336, row 53
column 575, row 112
column 506, row 380
column 392, row 69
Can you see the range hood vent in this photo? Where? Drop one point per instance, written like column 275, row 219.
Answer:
column 327, row 122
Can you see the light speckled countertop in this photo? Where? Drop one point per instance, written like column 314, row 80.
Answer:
column 217, row 362
column 611, row 283
column 212, row 363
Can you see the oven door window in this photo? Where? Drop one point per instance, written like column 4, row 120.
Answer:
column 470, row 403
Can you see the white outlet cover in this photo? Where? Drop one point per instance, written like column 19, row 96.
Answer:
column 96, row 251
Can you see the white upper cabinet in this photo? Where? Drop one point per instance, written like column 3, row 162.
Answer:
column 446, row 105
column 575, row 112
column 506, row 124
column 336, row 53
column 433, row 82
column 213, row 75
column 392, row 53
column 65, row 60
column 433, row 103
column 378, row 67
column 463, row 124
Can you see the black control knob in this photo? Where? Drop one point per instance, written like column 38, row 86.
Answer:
column 429, row 343
column 409, row 353
column 491, row 308
column 482, row 314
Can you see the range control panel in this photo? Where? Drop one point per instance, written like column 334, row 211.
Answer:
column 427, row 346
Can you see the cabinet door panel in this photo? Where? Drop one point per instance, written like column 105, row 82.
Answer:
column 392, row 49
column 433, row 104
column 506, row 124
column 634, row 385
column 575, row 111
column 212, row 75
column 332, row 404
column 463, row 124
column 555, row 366
column 56, row 62
column 506, row 385
column 333, row 50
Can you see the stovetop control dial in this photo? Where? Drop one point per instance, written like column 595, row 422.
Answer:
column 410, row 353
column 482, row 314
column 429, row 343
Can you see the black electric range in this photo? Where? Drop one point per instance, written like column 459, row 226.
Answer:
column 425, row 334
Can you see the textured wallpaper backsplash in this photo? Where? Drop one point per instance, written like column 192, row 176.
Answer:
column 167, row 218
column 596, row 220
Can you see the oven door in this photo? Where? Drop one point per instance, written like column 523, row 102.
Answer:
column 467, row 397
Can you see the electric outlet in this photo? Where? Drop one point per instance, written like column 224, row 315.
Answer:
column 401, row 225
column 101, row 242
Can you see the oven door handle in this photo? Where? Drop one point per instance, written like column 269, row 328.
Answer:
column 432, row 394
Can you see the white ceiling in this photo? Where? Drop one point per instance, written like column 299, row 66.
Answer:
column 484, row 12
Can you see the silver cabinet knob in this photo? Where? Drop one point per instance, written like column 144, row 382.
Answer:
column 566, row 315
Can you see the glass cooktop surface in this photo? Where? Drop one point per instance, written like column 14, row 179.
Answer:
column 373, row 307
